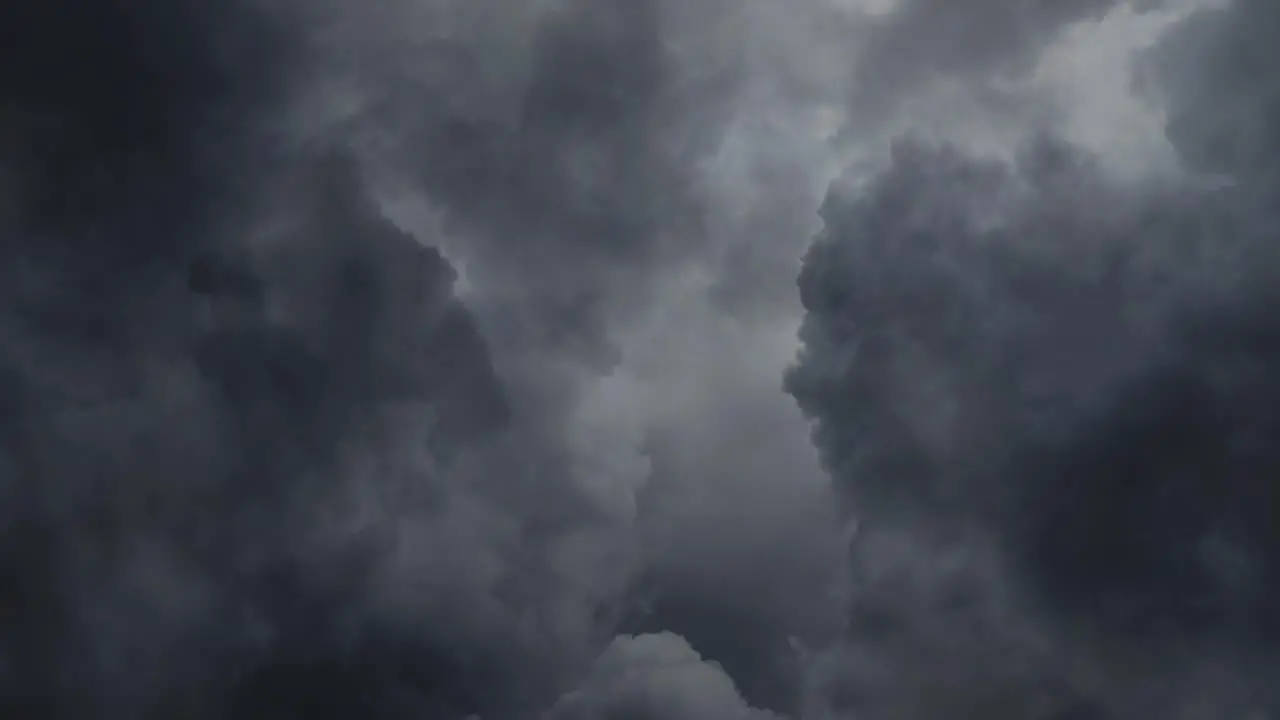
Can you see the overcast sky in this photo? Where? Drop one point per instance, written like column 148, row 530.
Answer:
column 639, row 359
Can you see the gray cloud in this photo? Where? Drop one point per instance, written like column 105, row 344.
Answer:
column 421, row 358
column 1043, row 392
column 261, row 460
column 917, row 48
column 579, row 183
column 258, row 461
column 1217, row 78
column 655, row 676
column 534, row 245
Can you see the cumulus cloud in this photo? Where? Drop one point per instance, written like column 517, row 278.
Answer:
column 258, row 459
column 264, row 456
column 946, row 68
column 1043, row 392
column 423, row 359
column 915, row 42
column 655, row 676
column 571, row 180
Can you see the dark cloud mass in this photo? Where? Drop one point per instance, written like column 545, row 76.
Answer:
column 1048, row 396
column 259, row 461
column 419, row 359
column 234, row 395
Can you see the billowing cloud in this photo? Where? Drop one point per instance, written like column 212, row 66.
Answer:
column 268, row 454
column 422, row 359
column 1217, row 78
column 655, row 676
column 1044, row 392
column 566, row 170
column 916, row 42
column 258, row 459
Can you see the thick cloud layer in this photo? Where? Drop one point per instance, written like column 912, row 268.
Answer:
column 259, row 458
column 258, row 462
column 565, row 169
column 421, row 358
column 1048, row 398
column 920, row 42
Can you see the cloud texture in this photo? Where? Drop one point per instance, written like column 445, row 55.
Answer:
column 1044, row 392
column 427, row 359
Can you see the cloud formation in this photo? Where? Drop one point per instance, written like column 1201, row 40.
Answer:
column 260, row 458
column 424, row 359
column 916, row 43
column 1044, row 393
column 655, row 676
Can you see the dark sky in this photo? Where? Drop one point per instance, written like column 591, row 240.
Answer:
column 639, row 360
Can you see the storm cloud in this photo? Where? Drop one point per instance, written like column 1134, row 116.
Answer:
column 240, row 405
column 261, row 458
column 428, row 359
column 1043, row 391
